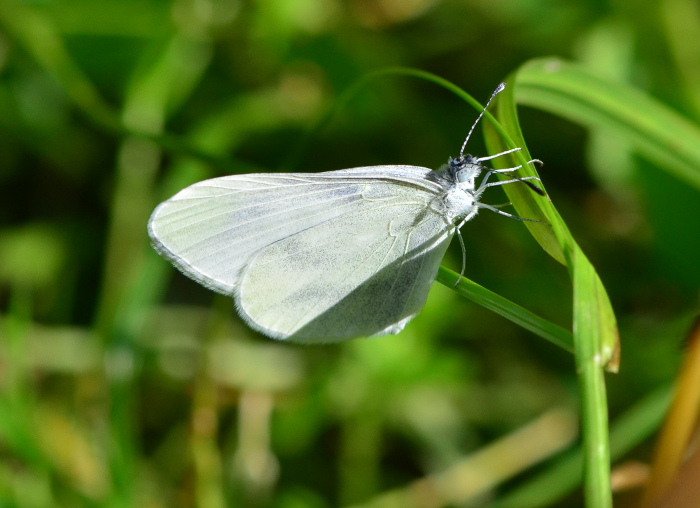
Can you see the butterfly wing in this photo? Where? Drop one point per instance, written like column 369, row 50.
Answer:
column 324, row 256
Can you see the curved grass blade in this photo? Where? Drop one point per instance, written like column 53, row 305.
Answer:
column 557, row 239
column 656, row 132
column 596, row 340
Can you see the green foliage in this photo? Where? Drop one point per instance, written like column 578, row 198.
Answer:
column 124, row 384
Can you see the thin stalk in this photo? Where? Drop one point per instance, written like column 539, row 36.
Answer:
column 591, row 380
column 509, row 310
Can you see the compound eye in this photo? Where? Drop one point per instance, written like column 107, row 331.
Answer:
column 463, row 176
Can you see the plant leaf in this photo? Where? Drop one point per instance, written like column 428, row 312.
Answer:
column 658, row 133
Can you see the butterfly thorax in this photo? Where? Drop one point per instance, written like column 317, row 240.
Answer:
column 457, row 178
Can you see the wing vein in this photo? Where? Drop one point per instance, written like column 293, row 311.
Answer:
column 246, row 207
column 337, row 217
column 359, row 265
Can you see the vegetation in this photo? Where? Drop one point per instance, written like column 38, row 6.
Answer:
column 125, row 384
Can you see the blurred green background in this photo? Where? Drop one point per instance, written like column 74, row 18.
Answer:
column 122, row 383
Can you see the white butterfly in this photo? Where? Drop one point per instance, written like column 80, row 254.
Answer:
column 329, row 256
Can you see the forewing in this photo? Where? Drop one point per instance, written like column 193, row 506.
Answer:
column 358, row 274
column 212, row 229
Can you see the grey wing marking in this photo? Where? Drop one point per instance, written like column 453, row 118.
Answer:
column 321, row 286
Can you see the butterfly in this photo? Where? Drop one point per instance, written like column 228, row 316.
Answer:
column 324, row 257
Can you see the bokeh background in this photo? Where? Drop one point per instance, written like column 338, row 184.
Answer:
column 122, row 383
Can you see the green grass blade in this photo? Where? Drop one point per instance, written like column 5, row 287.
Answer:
column 554, row 236
column 596, row 341
column 589, row 367
column 555, row 239
column 658, row 133
column 509, row 310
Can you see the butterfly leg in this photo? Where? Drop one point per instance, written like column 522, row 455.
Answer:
column 464, row 257
column 461, row 244
column 506, row 170
column 506, row 214
column 492, row 171
column 483, row 185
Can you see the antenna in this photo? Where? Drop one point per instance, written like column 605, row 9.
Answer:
column 499, row 88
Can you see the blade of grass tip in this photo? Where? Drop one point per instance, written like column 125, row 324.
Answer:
column 557, row 239
column 559, row 232
column 504, row 307
column 609, row 343
column 554, row 238
column 666, row 138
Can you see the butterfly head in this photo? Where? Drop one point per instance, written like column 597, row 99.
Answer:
column 464, row 171
column 458, row 180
